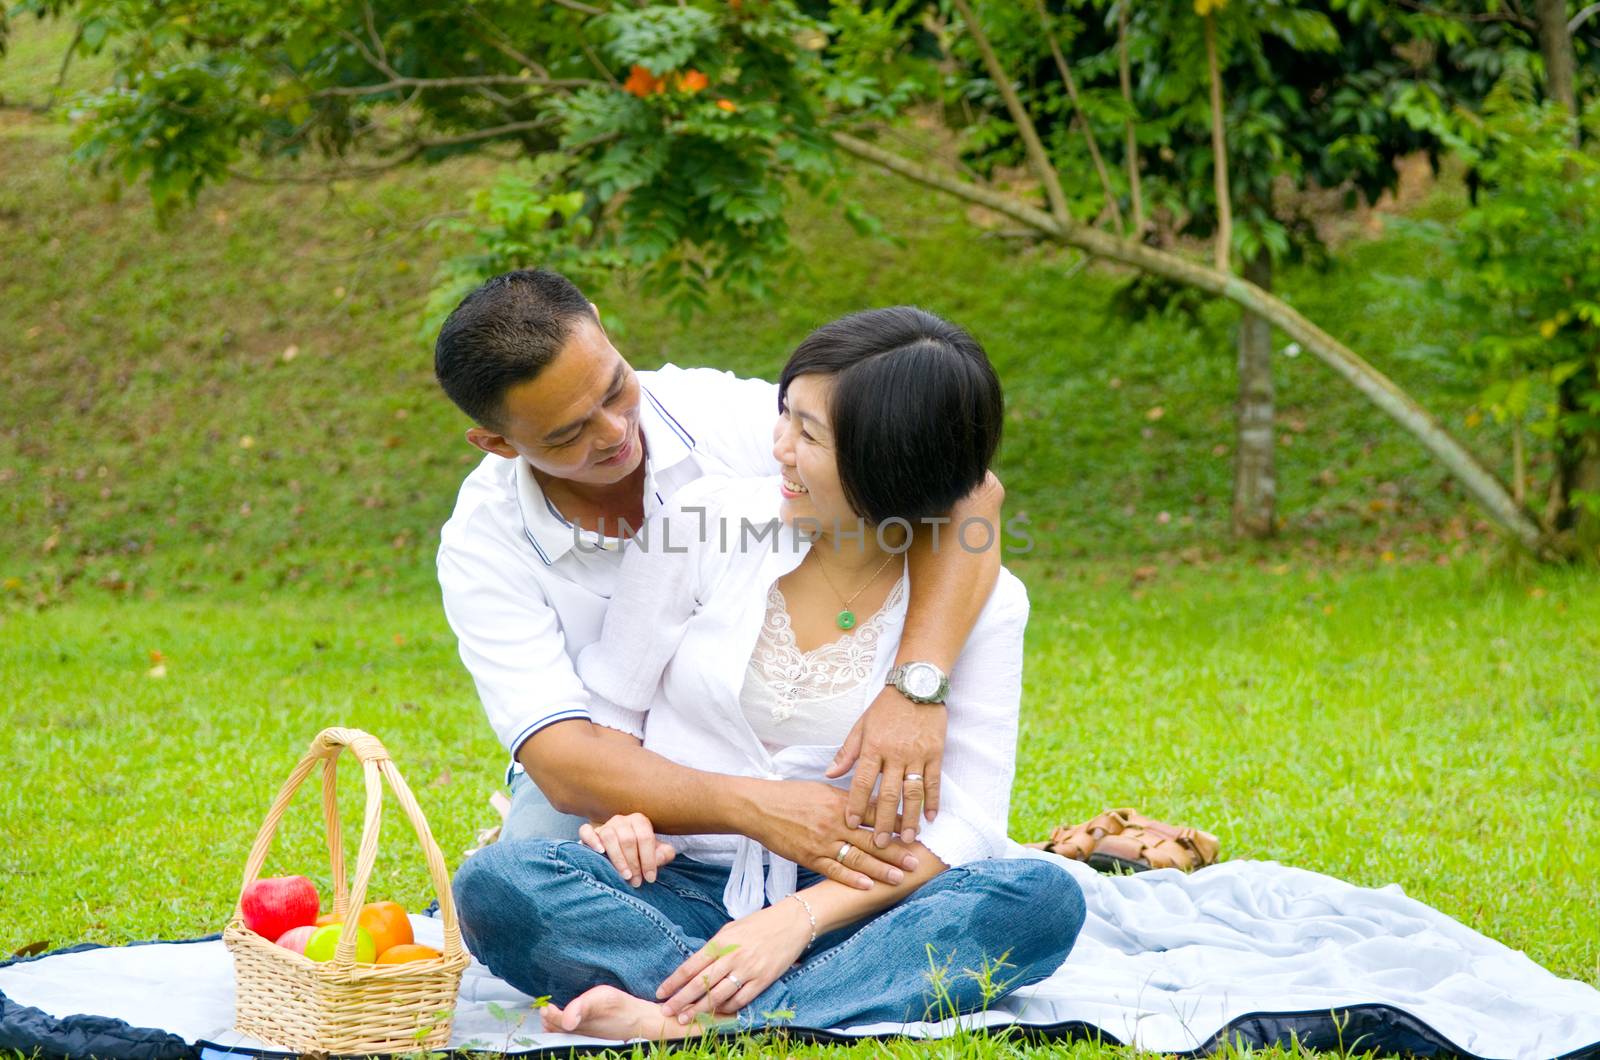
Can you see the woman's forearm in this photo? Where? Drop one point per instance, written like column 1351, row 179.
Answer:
column 836, row 906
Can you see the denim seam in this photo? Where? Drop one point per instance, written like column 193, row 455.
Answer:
column 650, row 912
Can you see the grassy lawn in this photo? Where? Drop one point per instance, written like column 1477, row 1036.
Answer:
column 221, row 442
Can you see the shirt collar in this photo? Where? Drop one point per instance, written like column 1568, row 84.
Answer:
column 666, row 444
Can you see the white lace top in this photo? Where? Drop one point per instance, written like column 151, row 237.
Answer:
column 794, row 698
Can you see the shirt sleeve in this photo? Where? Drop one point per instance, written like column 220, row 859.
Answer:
column 510, row 638
column 980, row 758
column 657, row 592
column 732, row 419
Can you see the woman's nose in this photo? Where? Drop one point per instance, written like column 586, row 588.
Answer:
column 783, row 442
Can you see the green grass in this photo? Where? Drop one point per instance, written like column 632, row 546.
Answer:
column 1376, row 695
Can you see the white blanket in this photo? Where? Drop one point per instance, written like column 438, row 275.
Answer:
column 1165, row 962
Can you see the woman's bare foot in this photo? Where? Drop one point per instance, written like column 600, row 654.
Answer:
column 606, row 1012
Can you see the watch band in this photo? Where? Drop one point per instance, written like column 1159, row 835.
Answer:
column 896, row 677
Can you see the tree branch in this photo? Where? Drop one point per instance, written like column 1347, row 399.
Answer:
column 1516, row 18
column 1583, row 16
column 1019, row 115
column 1484, row 486
column 574, row 5
column 454, row 82
column 1077, row 106
column 504, row 45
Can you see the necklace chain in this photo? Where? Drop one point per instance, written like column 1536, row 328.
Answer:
column 847, row 618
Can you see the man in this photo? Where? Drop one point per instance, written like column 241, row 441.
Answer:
column 582, row 449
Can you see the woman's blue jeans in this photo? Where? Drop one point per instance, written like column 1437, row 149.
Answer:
column 554, row 919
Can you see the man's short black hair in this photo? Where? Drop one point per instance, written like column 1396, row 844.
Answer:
column 916, row 409
column 502, row 334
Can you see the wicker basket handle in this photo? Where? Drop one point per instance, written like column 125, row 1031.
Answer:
column 375, row 762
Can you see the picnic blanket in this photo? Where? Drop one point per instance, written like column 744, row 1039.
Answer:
column 1247, row 951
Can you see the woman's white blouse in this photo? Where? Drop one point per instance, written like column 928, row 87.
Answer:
column 672, row 659
column 792, row 697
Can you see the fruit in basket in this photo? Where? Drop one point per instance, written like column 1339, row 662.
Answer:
column 328, row 918
column 388, row 925
column 322, row 943
column 407, row 952
column 272, row 906
column 296, row 938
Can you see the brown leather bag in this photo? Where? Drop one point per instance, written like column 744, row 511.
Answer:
column 1127, row 840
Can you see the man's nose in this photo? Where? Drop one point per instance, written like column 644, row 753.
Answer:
column 615, row 430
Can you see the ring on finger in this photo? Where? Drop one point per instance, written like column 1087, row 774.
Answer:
column 844, row 849
column 914, row 776
column 738, row 984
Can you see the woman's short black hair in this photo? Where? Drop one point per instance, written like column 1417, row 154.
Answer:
column 916, row 409
column 502, row 334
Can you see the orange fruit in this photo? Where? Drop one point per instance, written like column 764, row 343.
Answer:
column 407, row 952
column 328, row 918
column 387, row 923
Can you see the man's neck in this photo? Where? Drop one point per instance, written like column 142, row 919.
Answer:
column 614, row 500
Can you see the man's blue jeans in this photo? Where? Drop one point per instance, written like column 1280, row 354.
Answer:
column 532, row 817
column 554, row 918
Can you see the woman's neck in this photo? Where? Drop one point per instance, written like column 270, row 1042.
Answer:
column 849, row 555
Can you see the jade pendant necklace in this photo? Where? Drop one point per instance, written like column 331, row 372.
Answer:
column 846, row 619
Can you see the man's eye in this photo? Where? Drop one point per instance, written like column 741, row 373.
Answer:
column 569, row 441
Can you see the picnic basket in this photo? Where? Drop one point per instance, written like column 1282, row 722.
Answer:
column 339, row 1006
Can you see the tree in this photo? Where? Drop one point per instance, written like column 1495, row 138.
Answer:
column 682, row 126
column 1295, row 97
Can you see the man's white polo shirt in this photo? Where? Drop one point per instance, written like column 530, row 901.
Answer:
column 525, row 591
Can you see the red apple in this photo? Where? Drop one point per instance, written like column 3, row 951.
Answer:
column 272, row 906
column 295, row 938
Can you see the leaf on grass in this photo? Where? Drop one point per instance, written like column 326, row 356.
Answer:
column 32, row 948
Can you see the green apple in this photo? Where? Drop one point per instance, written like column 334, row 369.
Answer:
column 320, row 946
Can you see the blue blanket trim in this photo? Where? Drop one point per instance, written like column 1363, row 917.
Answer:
column 1356, row 1029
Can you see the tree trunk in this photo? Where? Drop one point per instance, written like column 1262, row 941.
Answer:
column 1577, row 456
column 1578, row 467
column 1219, row 152
column 1131, row 148
column 1255, row 477
column 1555, row 46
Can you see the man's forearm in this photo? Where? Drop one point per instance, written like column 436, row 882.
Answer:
column 586, row 770
column 951, row 580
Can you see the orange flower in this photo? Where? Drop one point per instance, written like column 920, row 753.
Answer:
column 692, row 80
column 728, row 105
column 642, row 82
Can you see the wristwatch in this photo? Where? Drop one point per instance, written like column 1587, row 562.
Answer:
column 920, row 682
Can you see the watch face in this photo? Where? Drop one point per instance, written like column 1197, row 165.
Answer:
column 922, row 680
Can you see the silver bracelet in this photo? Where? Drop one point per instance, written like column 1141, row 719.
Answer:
column 809, row 915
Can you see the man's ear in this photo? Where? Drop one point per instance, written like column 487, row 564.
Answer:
column 596, row 311
column 490, row 442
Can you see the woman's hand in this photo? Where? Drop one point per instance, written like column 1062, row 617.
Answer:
column 629, row 840
column 743, row 959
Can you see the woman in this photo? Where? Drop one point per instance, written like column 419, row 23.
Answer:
column 753, row 623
